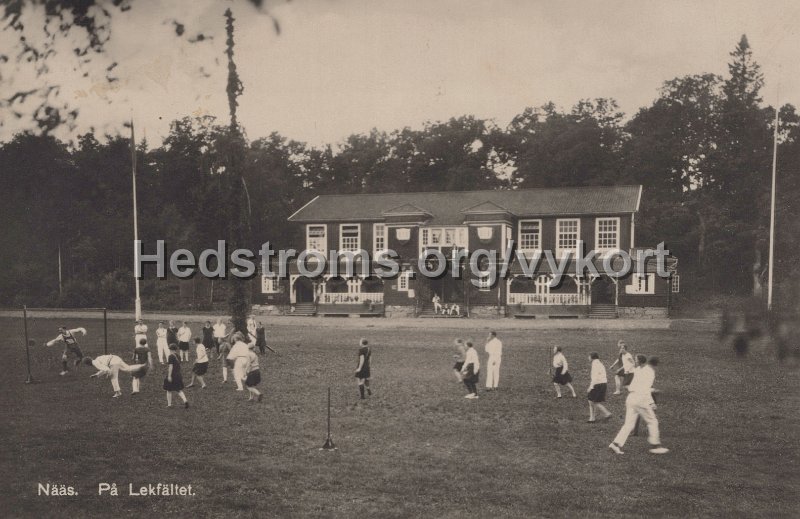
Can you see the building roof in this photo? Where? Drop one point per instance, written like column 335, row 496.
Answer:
column 448, row 207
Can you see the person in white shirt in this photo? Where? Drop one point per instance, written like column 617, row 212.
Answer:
column 238, row 355
column 162, row 346
column 640, row 404
column 458, row 357
column 598, row 386
column 253, row 377
column 251, row 326
column 200, row 363
column 219, row 332
column 624, row 374
column 139, row 332
column 561, row 377
column 110, row 366
column 494, row 348
column 437, row 304
column 471, row 370
column 184, row 337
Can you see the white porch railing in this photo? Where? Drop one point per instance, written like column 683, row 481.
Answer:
column 351, row 298
column 548, row 299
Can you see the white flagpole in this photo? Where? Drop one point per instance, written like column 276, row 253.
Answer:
column 772, row 208
column 138, row 303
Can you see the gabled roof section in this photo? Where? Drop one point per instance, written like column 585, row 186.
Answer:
column 486, row 207
column 406, row 210
column 446, row 207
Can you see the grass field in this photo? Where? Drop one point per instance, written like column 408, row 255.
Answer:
column 417, row 448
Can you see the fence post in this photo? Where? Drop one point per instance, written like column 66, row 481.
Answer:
column 105, row 331
column 29, row 380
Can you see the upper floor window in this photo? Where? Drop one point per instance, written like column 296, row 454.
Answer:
column 349, row 237
column 438, row 237
column 567, row 233
column 316, row 238
column 530, row 235
column 606, row 235
column 378, row 238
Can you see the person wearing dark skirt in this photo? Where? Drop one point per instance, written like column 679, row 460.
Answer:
column 562, row 376
column 184, row 338
column 598, row 386
column 458, row 357
column 471, row 371
column 172, row 334
column 253, row 377
column 208, row 336
column 200, row 367
column 141, row 355
column 173, row 383
column 362, row 370
column 261, row 338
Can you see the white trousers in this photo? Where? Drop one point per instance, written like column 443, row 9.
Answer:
column 163, row 350
column 493, row 373
column 116, row 365
column 238, row 371
column 639, row 406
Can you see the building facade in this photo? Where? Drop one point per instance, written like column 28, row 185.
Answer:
column 460, row 223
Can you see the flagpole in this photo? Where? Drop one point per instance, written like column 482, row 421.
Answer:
column 772, row 208
column 138, row 302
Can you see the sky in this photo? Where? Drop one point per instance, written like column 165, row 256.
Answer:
column 340, row 67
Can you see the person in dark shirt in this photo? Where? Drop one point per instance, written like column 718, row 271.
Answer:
column 141, row 355
column 362, row 371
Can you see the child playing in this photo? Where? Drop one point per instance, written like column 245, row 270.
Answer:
column 174, row 380
column 253, row 377
column 141, row 355
column 200, row 364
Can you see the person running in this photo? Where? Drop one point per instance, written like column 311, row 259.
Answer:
column 261, row 338
column 224, row 350
column 139, row 332
column 200, row 363
column 561, row 377
column 110, row 366
column 184, row 337
column 208, row 336
column 458, row 357
column 238, row 354
column 70, row 346
column 471, row 371
column 253, row 377
column 161, row 343
column 173, row 382
column 598, row 385
column 624, row 374
column 494, row 348
column 363, row 370
column 639, row 403
column 142, row 357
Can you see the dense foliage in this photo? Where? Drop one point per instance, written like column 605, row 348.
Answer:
column 702, row 150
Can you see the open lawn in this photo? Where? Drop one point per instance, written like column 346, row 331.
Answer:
column 416, row 448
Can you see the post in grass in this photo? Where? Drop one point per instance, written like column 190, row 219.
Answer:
column 28, row 344
column 329, row 445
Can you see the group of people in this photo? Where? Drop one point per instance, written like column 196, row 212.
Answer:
column 235, row 349
column 453, row 309
column 633, row 375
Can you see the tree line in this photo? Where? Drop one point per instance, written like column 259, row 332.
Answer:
column 702, row 150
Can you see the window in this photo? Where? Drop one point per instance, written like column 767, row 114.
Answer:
column 438, row 237
column 675, row 283
column 403, row 281
column 530, row 235
column 378, row 238
column 349, row 238
column 316, row 238
column 567, row 233
column 641, row 284
column 269, row 285
column 606, row 236
column 484, row 282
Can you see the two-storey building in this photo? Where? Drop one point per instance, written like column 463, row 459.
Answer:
column 411, row 224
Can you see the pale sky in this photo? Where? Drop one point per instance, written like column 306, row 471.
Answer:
column 345, row 66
